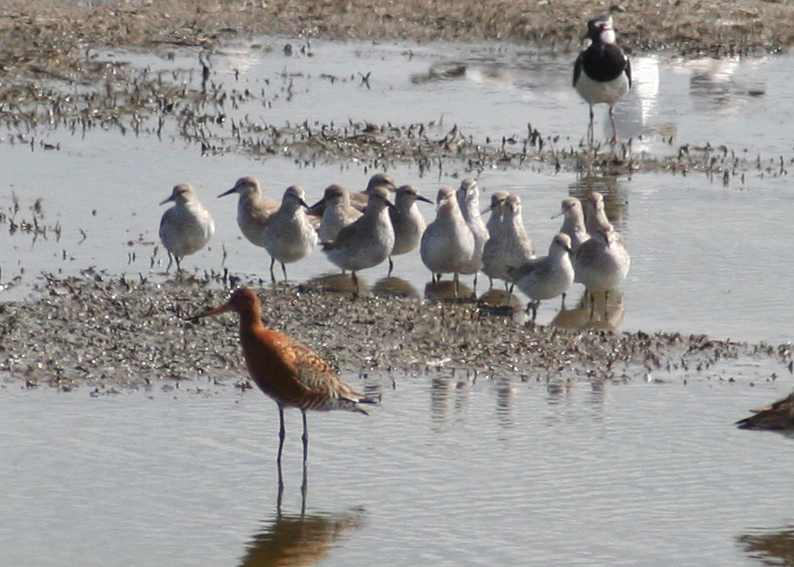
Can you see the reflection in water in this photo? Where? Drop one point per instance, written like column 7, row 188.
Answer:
column 598, row 310
column 449, row 396
column 447, row 290
column 395, row 287
column 505, row 397
column 770, row 547
column 336, row 283
column 299, row 539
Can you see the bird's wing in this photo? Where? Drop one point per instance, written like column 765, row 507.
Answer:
column 312, row 370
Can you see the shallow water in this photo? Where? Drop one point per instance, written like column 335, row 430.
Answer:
column 706, row 257
column 450, row 470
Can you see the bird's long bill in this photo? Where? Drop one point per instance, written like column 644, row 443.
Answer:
column 229, row 192
column 423, row 198
column 225, row 308
column 171, row 198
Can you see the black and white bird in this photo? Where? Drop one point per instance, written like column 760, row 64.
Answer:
column 602, row 72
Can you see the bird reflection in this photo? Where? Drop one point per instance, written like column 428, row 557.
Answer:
column 599, row 311
column 447, row 290
column 292, row 540
column 335, row 283
column 771, row 547
column 395, row 287
column 448, row 396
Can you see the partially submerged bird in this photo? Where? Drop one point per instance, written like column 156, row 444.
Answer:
column 778, row 416
column 602, row 72
column 292, row 374
column 186, row 227
column 253, row 209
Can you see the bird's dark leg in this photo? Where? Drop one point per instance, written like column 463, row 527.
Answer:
column 614, row 128
column 354, row 277
column 281, row 435
column 590, row 129
column 455, row 281
column 272, row 274
column 391, row 267
column 284, row 271
column 562, row 305
column 305, row 438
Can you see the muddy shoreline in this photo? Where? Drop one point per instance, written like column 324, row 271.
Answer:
column 105, row 332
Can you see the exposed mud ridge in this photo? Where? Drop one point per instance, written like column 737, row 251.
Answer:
column 47, row 49
column 105, row 332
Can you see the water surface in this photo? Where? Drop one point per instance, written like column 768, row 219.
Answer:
column 450, row 470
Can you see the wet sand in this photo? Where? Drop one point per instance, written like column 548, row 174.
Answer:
column 103, row 332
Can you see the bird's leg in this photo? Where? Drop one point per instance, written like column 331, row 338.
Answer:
column 474, row 290
column 455, row 281
column 354, row 277
column 272, row 274
column 614, row 139
column 590, row 129
column 606, row 304
column 281, row 435
column 391, row 267
column 284, row 271
column 305, row 438
column 170, row 261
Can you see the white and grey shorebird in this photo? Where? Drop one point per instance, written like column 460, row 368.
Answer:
column 447, row 244
column 547, row 277
column 510, row 245
column 338, row 212
column 289, row 235
column 494, row 227
column 603, row 262
column 253, row 209
column 366, row 242
column 573, row 222
column 186, row 227
column 408, row 221
column 602, row 72
column 468, row 195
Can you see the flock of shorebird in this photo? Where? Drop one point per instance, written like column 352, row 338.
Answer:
column 362, row 230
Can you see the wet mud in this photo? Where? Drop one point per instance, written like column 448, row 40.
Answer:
column 105, row 332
